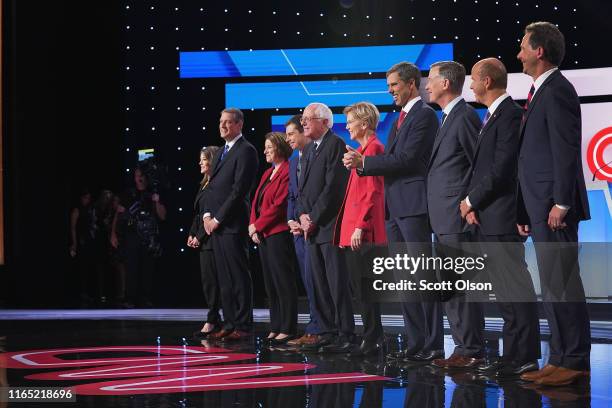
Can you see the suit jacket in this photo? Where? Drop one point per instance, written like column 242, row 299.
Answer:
column 492, row 189
column 550, row 162
column 404, row 163
column 230, row 187
column 449, row 168
column 273, row 210
column 321, row 185
column 364, row 204
column 293, row 191
column 197, row 226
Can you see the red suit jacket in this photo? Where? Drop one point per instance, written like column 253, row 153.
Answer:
column 273, row 211
column 364, row 204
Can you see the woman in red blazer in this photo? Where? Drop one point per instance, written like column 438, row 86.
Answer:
column 360, row 226
column 268, row 228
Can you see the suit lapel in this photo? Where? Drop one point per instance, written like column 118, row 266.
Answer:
column 397, row 131
column 535, row 98
column 498, row 112
column 230, row 153
column 310, row 160
column 442, row 131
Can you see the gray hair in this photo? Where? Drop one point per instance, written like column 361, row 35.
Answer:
column 323, row 111
column 454, row 72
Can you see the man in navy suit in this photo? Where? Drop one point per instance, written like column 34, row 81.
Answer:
column 447, row 181
column 553, row 200
column 227, row 218
column 490, row 207
column 321, row 188
column 404, row 167
column 298, row 141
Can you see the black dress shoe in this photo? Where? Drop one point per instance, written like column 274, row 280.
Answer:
column 399, row 355
column 513, row 369
column 491, row 367
column 365, row 349
column 342, row 345
column 274, row 342
column 426, row 356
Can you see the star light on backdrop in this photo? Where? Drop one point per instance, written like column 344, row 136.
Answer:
column 177, row 116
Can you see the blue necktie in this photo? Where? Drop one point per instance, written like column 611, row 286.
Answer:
column 225, row 150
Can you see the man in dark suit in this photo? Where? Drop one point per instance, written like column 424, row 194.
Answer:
column 321, row 189
column 553, row 200
column 404, row 167
column 490, row 207
column 447, row 179
column 227, row 218
column 298, row 141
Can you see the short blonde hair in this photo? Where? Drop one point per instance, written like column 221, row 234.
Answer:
column 365, row 112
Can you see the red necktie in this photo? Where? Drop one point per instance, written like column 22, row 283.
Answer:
column 401, row 118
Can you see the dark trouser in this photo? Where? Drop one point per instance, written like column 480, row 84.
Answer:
column 304, row 263
column 332, row 291
column 508, row 274
column 466, row 319
column 422, row 320
column 210, row 286
column 277, row 262
column 563, row 295
column 359, row 264
column 234, row 280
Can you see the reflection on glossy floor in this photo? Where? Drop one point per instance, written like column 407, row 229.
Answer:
column 157, row 364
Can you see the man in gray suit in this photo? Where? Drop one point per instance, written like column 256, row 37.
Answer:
column 447, row 181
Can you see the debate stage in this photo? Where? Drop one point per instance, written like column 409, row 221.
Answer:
column 147, row 358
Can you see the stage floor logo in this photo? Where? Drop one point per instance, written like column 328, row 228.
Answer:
column 127, row 370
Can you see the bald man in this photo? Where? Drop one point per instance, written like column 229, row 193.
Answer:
column 490, row 207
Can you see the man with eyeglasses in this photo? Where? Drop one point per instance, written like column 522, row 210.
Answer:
column 321, row 187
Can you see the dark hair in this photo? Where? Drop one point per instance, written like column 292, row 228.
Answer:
column 208, row 152
column 547, row 36
column 496, row 70
column 237, row 113
column 406, row 72
column 280, row 144
column 454, row 72
column 296, row 120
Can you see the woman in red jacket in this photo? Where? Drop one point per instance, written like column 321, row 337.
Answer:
column 360, row 227
column 268, row 228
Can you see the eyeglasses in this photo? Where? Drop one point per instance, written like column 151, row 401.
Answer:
column 309, row 119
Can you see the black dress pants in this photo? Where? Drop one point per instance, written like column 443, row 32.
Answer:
column 563, row 295
column 210, row 286
column 277, row 261
column 234, row 279
column 359, row 264
column 333, row 302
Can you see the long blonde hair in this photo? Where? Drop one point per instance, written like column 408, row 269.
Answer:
column 208, row 152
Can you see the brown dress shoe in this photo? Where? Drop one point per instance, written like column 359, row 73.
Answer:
column 444, row 362
column 562, row 376
column 534, row 375
column 236, row 335
column 219, row 334
column 465, row 362
column 305, row 339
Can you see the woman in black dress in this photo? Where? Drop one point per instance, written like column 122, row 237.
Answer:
column 198, row 239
